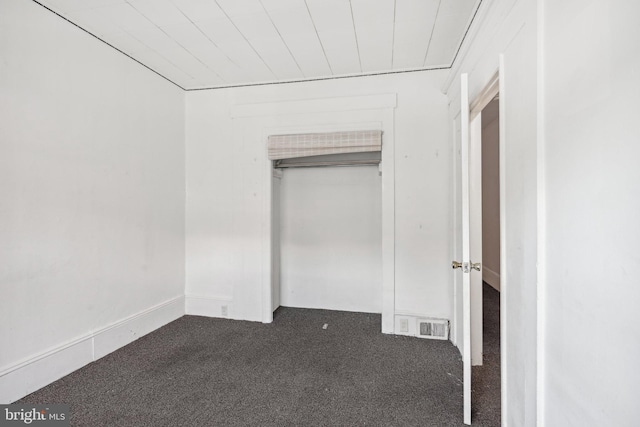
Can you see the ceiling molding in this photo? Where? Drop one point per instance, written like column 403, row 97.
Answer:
column 108, row 44
column 484, row 7
column 315, row 79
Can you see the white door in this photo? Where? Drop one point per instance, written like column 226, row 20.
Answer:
column 465, row 264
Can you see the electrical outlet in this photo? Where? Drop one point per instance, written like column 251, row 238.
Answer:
column 224, row 310
column 404, row 325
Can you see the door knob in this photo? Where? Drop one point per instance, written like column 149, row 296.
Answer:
column 466, row 266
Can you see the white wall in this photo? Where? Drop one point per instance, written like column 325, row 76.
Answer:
column 591, row 91
column 331, row 238
column 509, row 27
column 92, row 198
column 491, row 195
column 225, row 191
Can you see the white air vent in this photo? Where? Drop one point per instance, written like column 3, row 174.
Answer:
column 436, row 329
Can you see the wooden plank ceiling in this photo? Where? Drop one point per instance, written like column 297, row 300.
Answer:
column 218, row 43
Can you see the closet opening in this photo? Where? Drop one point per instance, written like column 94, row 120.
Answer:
column 327, row 232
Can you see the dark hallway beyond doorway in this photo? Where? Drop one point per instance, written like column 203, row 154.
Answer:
column 485, row 380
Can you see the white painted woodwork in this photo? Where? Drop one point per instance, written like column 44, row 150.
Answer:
column 456, row 247
column 505, row 312
column 209, row 43
column 465, row 245
column 276, row 238
column 485, row 97
column 48, row 365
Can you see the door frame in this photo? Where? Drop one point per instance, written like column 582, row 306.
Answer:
column 386, row 168
column 494, row 85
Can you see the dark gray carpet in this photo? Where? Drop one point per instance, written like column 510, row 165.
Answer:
column 199, row 371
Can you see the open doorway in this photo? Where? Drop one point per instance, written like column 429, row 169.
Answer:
column 485, row 381
column 480, row 323
column 486, row 372
column 491, row 194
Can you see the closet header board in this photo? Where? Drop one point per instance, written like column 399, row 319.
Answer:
column 316, row 144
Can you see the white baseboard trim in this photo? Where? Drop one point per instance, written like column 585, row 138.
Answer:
column 491, row 277
column 201, row 305
column 33, row 373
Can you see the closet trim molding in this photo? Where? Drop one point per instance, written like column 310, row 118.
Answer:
column 252, row 125
column 318, row 105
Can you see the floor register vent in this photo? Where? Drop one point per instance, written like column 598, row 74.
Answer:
column 435, row 329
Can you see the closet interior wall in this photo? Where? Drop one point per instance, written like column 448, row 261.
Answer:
column 330, row 238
